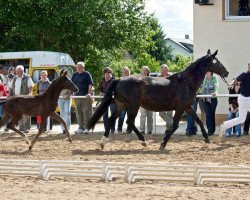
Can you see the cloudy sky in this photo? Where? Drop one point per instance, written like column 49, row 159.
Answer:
column 175, row 16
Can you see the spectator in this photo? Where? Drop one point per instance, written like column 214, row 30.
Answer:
column 3, row 74
column 12, row 70
column 146, row 114
column 166, row 116
column 125, row 72
column 43, row 83
column 64, row 103
column 210, row 87
column 191, row 127
column 3, row 93
column 233, row 109
column 8, row 86
column 42, row 86
column 22, row 85
column 83, row 80
column 103, row 86
column 246, row 124
column 243, row 101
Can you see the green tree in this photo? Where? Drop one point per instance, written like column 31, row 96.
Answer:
column 179, row 63
column 160, row 51
column 96, row 32
column 79, row 27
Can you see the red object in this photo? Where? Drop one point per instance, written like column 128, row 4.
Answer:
column 39, row 119
column 2, row 89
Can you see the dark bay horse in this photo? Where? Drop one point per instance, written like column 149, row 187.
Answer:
column 43, row 105
column 158, row 94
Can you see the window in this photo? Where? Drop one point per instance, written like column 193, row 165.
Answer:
column 237, row 9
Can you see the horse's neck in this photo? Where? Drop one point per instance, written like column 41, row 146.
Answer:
column 196, row 75
column 53, row 94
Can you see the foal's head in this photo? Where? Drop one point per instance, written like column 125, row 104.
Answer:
column 65, row 82
column 214, row 65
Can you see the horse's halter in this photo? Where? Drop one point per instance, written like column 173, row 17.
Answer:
column 222, row 77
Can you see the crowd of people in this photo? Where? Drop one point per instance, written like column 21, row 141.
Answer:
column 15, row 82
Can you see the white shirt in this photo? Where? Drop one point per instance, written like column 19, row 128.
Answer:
column 4, row 79
column 19, row 82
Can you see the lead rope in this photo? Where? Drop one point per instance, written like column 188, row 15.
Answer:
column 223, row 78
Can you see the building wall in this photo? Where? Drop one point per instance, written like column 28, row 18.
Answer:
column 230, row 37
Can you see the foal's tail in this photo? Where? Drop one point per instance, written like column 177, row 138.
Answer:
column 106, row 101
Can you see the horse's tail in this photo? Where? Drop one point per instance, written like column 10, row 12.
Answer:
column 106, row 101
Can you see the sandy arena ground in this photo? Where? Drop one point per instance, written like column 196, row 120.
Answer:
column 123, row 148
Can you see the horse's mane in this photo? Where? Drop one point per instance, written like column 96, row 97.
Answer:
column 50, row 88
column 192, row 67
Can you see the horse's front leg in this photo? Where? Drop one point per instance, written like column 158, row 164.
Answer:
column 59, row 119
column 169, row 132
column 197, row 119
column 41, row 130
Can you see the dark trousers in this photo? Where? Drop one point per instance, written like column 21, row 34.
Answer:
column 106, row 116
column 210, row 109
column 191, row 128
column 246, row 123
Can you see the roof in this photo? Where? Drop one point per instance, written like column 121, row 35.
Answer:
column 186, row 44
column 40, row 58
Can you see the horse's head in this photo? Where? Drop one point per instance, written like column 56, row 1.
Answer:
column 66, row 82
column 214, row 65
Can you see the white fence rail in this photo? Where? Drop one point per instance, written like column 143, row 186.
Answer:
column 19, row 167
column 131, row 172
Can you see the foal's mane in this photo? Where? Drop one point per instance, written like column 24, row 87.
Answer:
column 51, row 88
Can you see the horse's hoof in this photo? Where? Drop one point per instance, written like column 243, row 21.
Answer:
column 86, row 131
column 30, row 147
column 27, row 141
column 222, row 139
column 70, row 140
column 104, row 140
column 102, row 146
column 144, row 144
column 162, row 147
column 207, row 141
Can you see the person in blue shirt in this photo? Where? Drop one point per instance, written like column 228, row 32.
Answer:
column 243, row 101
column 83, row 80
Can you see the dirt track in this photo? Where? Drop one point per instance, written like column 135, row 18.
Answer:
column 127, row 148
column 124, row 148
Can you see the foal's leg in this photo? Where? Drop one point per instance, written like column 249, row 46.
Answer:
column 41, row 130
column 11, row 125
column 169, row 132
column 6, row 118
column 59, row 119
column 132, row 113
column 197, row 119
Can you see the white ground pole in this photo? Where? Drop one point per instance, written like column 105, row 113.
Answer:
column 129, row 172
